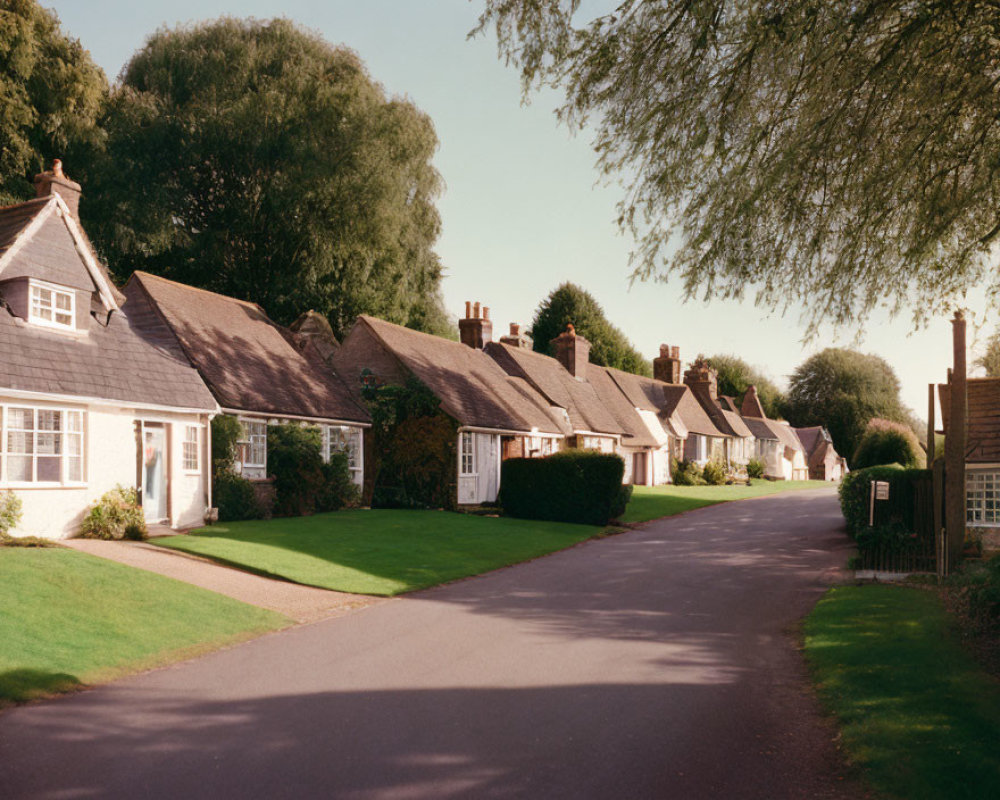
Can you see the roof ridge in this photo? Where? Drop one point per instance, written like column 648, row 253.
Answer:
column 143, row 274
column 39, row 200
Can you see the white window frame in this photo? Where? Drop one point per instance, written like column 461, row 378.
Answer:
column 351, row 441
column 191, row 446
column 463, row 438
column 982, row 497
column 34, row 308
column 65, row 435
column 252, row 440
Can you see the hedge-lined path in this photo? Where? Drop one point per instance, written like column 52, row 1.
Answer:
column 661, row 662
column 301, row 603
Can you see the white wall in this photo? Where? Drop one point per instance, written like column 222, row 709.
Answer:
column 109, row 460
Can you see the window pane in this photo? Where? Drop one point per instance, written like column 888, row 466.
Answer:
column 74, row 444
column 19, row 442
column 49, row 468
column 74, row 467
column 19, row 468
column 49, row 444
column 74, row 421
column 63, row 302
column 23, row 418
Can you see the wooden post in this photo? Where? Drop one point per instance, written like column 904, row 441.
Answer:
column 940, row 541
column 954, row 448
column 931, row 443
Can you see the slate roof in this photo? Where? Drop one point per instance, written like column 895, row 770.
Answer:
column 472, row 387
column 249, row 362
column 669, row 400
column 751, row 406
column 982, row 444
column 608, row 392
column 553, row 381
column 811, row 438
column 762, row 428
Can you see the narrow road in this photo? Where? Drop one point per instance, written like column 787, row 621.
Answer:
column 659, row 663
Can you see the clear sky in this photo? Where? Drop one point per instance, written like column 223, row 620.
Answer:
column 522, row 210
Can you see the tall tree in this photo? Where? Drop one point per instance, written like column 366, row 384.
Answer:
column 736, row 376
column 569, row 304
column 827, row 156
column 989, row 359
column 255, row 159
column 844, row 390
column 51, row 94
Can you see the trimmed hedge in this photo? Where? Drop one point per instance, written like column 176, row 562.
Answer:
column 855, row 491
column 572, row 486
column 887, row 442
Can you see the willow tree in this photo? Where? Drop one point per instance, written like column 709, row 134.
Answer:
column 255, row 159
column 831, row 157
column 51, row 94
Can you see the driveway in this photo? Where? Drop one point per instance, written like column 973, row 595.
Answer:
column 657, row 663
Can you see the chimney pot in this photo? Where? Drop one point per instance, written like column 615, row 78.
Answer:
column 468, row 309
column 667, row 367
column 54, row 181
column 515, row 329
column 475, row 331
column 486, row 313
column 475, row 310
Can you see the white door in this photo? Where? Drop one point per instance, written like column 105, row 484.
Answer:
column 468, row 469
column 154, row 471
column 488, row 450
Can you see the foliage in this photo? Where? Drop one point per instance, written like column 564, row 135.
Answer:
column 83, row 620
column 234, row 496
column 984, row 596
column 736, row 376
column 686, row 473
column 653, row 502
column 117, row 515
column 989, row 359
column 842, row 390
column 755, row 468
column 621, row 504
column 10, row 511
column 226, row 432
column 855, row 489
column 338, row 490
column 414, row 448
column 571, row 486
column 570, row 304
column 714, row 473
column 915, row 713
column 832, row 157
column 253, row 158
column 380, row 551
column 52, row 95
column 886, row 442
column 303, row 484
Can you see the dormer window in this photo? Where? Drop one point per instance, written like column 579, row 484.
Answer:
column 52, row 306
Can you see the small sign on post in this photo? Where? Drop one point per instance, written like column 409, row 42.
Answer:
column 879, row 491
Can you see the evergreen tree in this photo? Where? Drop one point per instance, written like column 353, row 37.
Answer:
column 736, row 376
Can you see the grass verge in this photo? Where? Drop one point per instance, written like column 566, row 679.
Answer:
column 653, row 502
column 380, row 552
column 70, row 619
column 917, row 714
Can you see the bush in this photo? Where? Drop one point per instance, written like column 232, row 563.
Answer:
column 295, row 461
column 234, row 497
column 886, row 442
column 226, row 432
column 117, row 515
column 855, row 491
column 686, row 473
column 571, row 486
column 10, row 511
column 624, row 497
column 714, row 473
column 755, row 468
column 984, row 596
column 338, row 490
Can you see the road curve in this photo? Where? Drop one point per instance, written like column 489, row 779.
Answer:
column 660, row 663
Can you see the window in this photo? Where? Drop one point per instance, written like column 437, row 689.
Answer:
column 982, row 497
column 253, row 443
column 51, row 306
column 718, row 452
column 41, row 445
column 191, row 448
column 467, row 453
column 345, row 439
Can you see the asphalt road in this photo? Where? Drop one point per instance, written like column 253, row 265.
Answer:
column 660, row 663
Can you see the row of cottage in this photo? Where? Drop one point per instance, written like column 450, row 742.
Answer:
column 101, row 386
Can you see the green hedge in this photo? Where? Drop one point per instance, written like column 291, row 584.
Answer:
column 572, row 486
column 855, row 491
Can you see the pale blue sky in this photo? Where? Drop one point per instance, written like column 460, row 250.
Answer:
column 522, row 211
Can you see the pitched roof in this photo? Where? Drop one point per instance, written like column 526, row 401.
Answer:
column 762, row 428
column 550, row 378
column 811, row 437
column 638, row 433
column 249, row 362
column 787, row 436
column 751, row 406
column 672, row 401
column 471, row 386
column 982, row 442
column 736, row 423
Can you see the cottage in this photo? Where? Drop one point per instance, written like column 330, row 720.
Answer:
column 496, row 416
column 778, row 448
column 89, row 397
column 825, row 464
column 256, row 370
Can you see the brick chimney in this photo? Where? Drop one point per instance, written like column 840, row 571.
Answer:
column 517, row 338
column 54, row 181
column 573, row 352
column 475, row 330
column 667, row 367
column 751, row 404
column 700, row 375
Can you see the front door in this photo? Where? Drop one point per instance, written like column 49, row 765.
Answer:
column 154, row 471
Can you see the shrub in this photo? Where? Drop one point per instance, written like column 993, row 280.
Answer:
column 886, row 442
column 338, row 490
column 295, row 461
column 686, row 473
column 714, row 473
column 10, row 511
column 117, row 515
column 234, row 497
column 984, row 595
column 755, row 468
column 226, row 432
column 571, row 486
column 624, row 497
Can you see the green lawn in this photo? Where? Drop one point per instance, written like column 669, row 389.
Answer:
column 69, row 619
column 381, row 552
column 653, row 502
column 917, row 714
